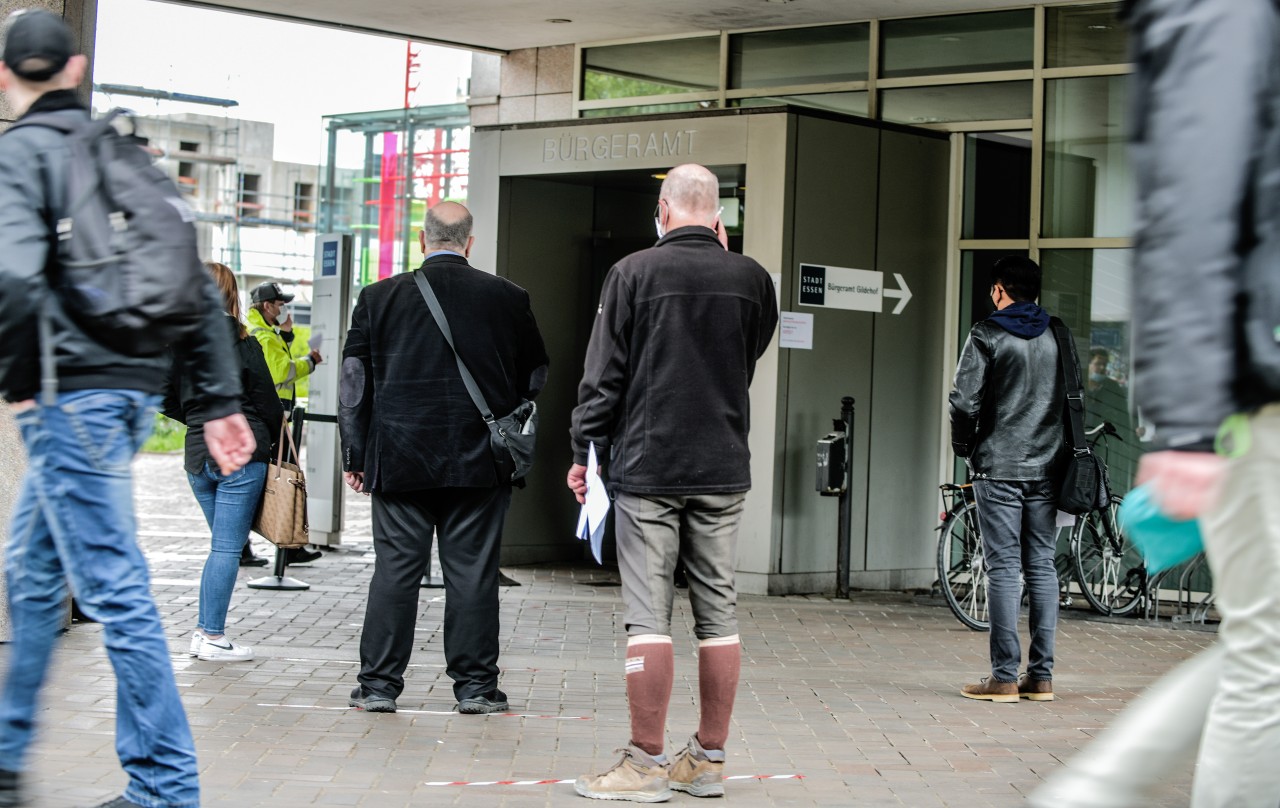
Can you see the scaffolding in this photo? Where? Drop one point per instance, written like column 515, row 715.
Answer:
column 413, row 158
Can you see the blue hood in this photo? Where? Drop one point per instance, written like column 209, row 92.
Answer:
column 1026, row 320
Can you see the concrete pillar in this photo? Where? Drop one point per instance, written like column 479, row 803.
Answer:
column 13, row 461
column 82, row 16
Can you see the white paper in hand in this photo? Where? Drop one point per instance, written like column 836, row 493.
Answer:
column 596, row 510
column 317, row 340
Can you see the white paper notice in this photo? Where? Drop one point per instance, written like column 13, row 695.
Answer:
column 796, row 330
column 596, row 510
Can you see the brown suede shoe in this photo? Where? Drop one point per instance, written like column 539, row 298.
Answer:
column 991, row 690
column 1035, row 689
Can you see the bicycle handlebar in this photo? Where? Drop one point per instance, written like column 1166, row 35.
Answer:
column 1103, row 429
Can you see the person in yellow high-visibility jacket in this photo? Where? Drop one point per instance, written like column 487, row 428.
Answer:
column 276, row 336
column 274, row 331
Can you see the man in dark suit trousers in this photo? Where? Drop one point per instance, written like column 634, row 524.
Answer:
column 413, row 438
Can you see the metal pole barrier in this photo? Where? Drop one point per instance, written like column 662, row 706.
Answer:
column 846, row 503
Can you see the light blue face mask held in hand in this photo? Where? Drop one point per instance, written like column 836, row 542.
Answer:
column 1164, row 542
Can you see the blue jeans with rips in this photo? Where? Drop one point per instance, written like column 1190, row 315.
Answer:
column 74, row 522
column 1018, row 537
column 229, row 504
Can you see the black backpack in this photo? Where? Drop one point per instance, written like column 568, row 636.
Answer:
column 127, row 267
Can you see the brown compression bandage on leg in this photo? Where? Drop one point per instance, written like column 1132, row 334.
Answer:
column 719, row 660
column 650, row 671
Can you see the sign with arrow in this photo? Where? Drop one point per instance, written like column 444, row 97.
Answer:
column 853, row 289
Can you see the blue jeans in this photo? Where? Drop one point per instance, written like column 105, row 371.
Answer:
column 229, row 504
column 74, row 521
column 1019, row 537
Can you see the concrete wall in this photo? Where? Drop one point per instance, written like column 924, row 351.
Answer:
column 81, row 15
column 532, row 84
column 870, row 199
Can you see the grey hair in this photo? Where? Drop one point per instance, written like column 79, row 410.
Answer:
column 692, row 190
column 447, row 234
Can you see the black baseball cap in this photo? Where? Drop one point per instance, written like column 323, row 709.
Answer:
column 37, row 44
column 266, row 292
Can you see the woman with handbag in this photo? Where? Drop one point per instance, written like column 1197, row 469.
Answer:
column 229, row 503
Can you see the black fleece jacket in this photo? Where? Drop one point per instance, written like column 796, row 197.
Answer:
column 672, row 354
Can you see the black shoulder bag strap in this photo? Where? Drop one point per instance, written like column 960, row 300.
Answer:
column 429, row 295
column 1071, row 384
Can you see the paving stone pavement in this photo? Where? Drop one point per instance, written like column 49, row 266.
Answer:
column 859, row 696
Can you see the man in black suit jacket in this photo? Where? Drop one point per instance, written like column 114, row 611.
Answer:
column 413, row 438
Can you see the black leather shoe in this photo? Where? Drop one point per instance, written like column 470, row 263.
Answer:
column 495, row 702
column 248, row 559
column 301, row 555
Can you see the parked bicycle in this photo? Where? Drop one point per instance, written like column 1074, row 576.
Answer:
column 1106, row 569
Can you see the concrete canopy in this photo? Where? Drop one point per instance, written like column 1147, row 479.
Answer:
column 505, row 25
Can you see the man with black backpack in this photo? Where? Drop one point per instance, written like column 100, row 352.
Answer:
column 82, row 363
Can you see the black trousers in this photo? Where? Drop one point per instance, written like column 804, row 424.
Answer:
column 469, row 522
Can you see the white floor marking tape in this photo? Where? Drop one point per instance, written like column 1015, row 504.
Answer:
column 563, row 782
column 357, row 662
column 438, row 712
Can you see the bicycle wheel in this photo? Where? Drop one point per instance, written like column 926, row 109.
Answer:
column 962, row 571
column 1109, row 568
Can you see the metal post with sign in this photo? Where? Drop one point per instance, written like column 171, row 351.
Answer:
column 330, row 318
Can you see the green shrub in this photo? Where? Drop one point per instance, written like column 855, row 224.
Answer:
column 168, row 436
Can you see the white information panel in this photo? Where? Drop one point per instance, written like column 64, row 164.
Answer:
column 330, row 318
column 852, row 289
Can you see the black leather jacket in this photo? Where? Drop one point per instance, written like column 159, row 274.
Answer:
column 1007, row 405
column 33, row 160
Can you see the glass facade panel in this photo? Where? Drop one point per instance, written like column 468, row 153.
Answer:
column 651, row 68
column 963, row 43
column 997, row 185
column 1090, row 290
column 1087, row 184
column 844, row 103
column 799, row 56
column 649, row 109
column 997, row 101
column 1084, row 35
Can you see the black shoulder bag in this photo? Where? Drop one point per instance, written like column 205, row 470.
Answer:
column 1084, row 479
column 512, row 436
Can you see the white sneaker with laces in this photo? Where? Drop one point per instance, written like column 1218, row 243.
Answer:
column 222, row 650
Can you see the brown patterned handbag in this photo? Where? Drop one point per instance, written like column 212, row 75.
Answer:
column 282, row 514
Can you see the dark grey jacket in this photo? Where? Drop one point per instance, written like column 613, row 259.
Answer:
column 672, row 353
column 33, row 164
column 1205, row 106
column 405, row 418
column 1007, row 405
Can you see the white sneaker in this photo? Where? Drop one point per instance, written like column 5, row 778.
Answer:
column 196, row 638
column 222, row 650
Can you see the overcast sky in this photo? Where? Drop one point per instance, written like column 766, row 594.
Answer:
column 285, row 73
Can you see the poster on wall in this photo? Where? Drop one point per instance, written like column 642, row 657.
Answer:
column 796, row 330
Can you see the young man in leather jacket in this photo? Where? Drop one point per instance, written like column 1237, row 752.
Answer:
column 1007, row 422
